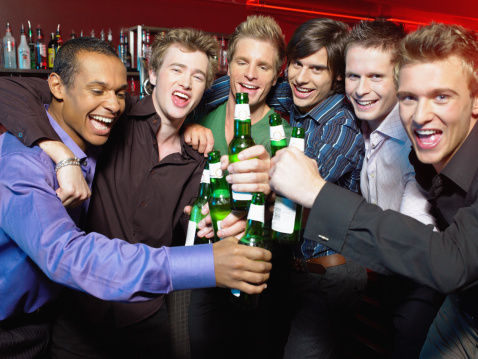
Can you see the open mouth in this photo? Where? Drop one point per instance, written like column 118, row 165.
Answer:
column 248, row 88
column 302, row 92
column 428, row 138
column 365, row 104
column 180, row 98
column 100, row 122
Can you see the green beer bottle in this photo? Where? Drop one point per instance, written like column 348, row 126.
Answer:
column 278, row 140
column 196, row 214
column 287, row 217
column 219, row 195
column 253, row 237
column 242, row 140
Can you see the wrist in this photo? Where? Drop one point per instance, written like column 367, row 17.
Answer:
column 72, row 161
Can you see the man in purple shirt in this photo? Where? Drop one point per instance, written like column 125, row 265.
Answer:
column 41, row 245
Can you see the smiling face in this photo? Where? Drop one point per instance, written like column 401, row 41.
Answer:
column 253, row 70
column 179, row 83
column 436, row 108
column 94, row 101
column 310, row 80
column 369, row 83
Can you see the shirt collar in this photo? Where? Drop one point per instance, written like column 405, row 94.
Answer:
column 318, row 111
column 392, row 126
column 144, row 107
column 65, row 138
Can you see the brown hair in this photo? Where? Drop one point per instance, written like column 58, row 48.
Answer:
column 191, row 39
column 316, row 34
column 437, row 42
column 263, row 28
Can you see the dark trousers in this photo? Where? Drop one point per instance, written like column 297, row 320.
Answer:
column 75, row 337
column 412, row 307
column 26, row 337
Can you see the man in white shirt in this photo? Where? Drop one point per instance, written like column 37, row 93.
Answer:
column 387, row 177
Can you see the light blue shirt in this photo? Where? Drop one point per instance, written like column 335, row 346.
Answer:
column 42, row 247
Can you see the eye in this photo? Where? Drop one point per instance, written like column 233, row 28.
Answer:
column 121, row 95
column 442, row 98
column 241, row 63
column 353, row 76
column 264, row 68
column 406, row 99
column 176, row 70
column 317, row 70
column 376, row 77
column 199, row 78
column 97, row 92
column 296, row 64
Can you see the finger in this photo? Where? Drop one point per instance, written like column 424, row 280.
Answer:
column 249, row 165
column 206, row 231
column 195, row 140
column 224, row 162
column 187, row 138
column 202, row 142
column 210, row 142
column 257, row 254
column 250, row 288
column 233, row 218
column 233, row 230
column 187, row 210
column 258, row 151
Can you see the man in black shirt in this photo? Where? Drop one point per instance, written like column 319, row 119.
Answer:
column 438, row 97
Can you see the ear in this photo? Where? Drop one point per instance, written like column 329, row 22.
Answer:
column 57, row 88
column 228, row 72
column 475, row 106
column 340, row 78
column 152, row 77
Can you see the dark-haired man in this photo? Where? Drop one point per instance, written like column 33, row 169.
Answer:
column 88, row 87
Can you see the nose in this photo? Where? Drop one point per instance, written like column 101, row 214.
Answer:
column 423, row 112
column 185, row 81
column 112, row 103
column 251, row 73
column 363, row 87
column 302, row 76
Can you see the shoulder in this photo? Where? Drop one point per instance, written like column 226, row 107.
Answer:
column 211, row 119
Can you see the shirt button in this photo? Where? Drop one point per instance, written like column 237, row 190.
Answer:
column 143, row 203
column 156, row 116
column 372, row 175
column 20, row 135
column 134, row 233
column 151, row 173
column 154, row 121
column 155, row 143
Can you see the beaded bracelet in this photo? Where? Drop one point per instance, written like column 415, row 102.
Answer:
column 74, row 161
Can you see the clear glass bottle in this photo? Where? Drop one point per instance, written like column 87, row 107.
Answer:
column 9, row 50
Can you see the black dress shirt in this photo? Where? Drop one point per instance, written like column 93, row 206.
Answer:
column 390, row 242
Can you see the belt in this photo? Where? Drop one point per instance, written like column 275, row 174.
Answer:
column 317, row 265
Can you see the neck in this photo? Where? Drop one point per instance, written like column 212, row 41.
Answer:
column 55, row 110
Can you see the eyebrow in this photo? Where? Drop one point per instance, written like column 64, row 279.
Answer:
column 183, row 66
column 432, row 93
column 261, row 63
column 104, row 84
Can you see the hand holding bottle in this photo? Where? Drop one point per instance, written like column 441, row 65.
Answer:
column 295, row 176
column 241, row 267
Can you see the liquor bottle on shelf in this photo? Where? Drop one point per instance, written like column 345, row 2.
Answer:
column 277, row 134
column 223, row 56
column 121, row 46
column 219, row 203
column 92, row 33
column 81, row 33
column 51, row 51
column 148, row 45
column 287, row 217
column 143, row 43
column 102, row 35
column 31, row 46
column 196, row 215
column 9, row 51
column 41, row 50
column 242, row 140
column 254, row 237
column 58, row 39
column 110, row 38
column 72, row 35
column 127, row 54
column 23, row 51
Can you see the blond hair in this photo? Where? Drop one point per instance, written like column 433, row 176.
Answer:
column 263, row 28
column 191, row 39
column 437, row 42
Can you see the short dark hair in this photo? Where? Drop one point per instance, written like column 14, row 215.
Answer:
column 316, row 34
column 66, row 63
column 380, row 34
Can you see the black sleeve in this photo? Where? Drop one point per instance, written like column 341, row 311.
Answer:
column 22, row 109
column 390, row 242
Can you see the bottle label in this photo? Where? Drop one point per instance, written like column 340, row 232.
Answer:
column 51, row 57
column 9, row 46
column 277, row 133
column 205, row 178
column 219, row 226
column 215, row 170
column 191, row 235
column 241, row 196
column 242, row 112
column 43, row 50
column 256, row 212
column 299, row 143
column 284, row 215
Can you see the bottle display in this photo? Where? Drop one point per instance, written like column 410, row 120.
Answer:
column 23, row 51
column 51, row 51
column 277, row 134
column 31, row 46
column 219, row 195
column 287, row 216
column 40, row 47
column 223, row 55
column 253, row 237
column 127, row 54
column 242, row 140
column 196, row 215
column 121, row 46
column 58, row 39
column 9, row 50
column 72, row 35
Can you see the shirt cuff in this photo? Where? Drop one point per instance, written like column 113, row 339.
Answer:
column 192, row 267
column 331, row 215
